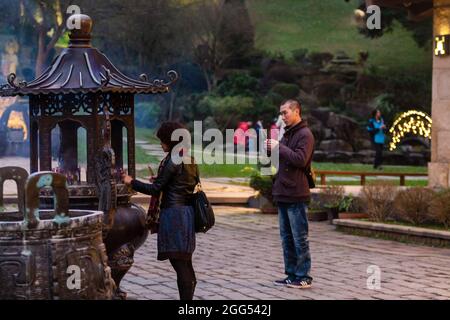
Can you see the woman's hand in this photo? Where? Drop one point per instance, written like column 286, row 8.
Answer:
column 152, row 179
column 126, row 179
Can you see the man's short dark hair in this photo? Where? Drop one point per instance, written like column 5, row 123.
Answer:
column 293, row 104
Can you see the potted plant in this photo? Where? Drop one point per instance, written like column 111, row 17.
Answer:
column 351, row 208
column 316, row 212
column 331, row 196
column 263, row 184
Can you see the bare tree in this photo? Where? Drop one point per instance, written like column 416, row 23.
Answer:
column 221, row 33
column 144, row 33
column 48, row 18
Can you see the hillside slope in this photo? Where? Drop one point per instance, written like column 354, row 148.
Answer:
column 328, row 25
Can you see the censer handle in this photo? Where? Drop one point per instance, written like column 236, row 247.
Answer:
column 19, row 175
column 34, row 184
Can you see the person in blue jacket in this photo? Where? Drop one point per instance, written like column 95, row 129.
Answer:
column 377, row 128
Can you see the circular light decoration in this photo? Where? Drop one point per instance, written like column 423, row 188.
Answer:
column 413, row 122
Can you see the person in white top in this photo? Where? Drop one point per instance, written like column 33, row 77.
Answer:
column 280, row 125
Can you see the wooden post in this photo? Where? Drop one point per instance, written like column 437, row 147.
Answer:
column 402, row 180
column 363, row 180
column 323, row 179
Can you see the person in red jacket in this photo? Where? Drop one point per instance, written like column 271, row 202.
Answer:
column 240, row 134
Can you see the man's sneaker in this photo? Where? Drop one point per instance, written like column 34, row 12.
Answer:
column 283, row 282
column 300, row 284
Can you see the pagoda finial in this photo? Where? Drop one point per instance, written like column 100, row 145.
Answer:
column 80, row 35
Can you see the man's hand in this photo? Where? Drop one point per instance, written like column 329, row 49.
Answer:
column 271, row 144
column 126, row 179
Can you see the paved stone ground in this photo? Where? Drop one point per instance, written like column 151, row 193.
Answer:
column 241, row 256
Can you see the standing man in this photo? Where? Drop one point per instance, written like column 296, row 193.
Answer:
column 291, row 194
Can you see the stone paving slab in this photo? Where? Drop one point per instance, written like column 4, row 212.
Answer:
column 241, row 256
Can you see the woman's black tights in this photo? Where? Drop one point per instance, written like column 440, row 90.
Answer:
column 185, row 278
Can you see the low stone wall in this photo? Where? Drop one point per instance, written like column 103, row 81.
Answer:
column 423, row 236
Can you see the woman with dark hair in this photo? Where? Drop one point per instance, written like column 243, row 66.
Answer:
column 376, row 128
column 176, row 181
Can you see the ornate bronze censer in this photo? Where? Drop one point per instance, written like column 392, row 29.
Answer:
column 39, row 249
column 83, row 89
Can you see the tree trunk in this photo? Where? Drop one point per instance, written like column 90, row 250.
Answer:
column 42, row 54
column 171, row 105
column 208, row 79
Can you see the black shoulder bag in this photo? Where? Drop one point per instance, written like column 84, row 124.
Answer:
column 311, row 176
column 204, row 214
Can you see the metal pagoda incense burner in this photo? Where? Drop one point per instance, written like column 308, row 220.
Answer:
column 83, row 89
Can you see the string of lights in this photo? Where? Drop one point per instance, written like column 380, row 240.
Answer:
column 410, row 122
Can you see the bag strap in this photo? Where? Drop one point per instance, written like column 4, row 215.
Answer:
column 310, row 161
column 197, row 175
column 308, row 167
column 197, row 178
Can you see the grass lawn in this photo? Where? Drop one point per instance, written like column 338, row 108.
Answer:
column 367, row 168
column 146, row 134
column 226, row 170
column 242, row 170
column 408, row 183
column 144, row 158
column 328, row 26
column 237, row 170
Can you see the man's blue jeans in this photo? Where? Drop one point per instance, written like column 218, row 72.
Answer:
column 294, row 237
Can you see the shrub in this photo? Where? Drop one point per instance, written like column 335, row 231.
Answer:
column 263, row 184
column 281, row 73
column 286, row 90
column 275, row 98
column 346, row 203
column 225, row 109
column 357, row 205
column 412, row 205
column 299, row 54
column 320, row 58
column 238, row 84
column 378, row 200
column 332, row 196
column 315, row 205
column 440, row 207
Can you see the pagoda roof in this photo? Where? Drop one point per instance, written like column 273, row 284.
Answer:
column 81, row 68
